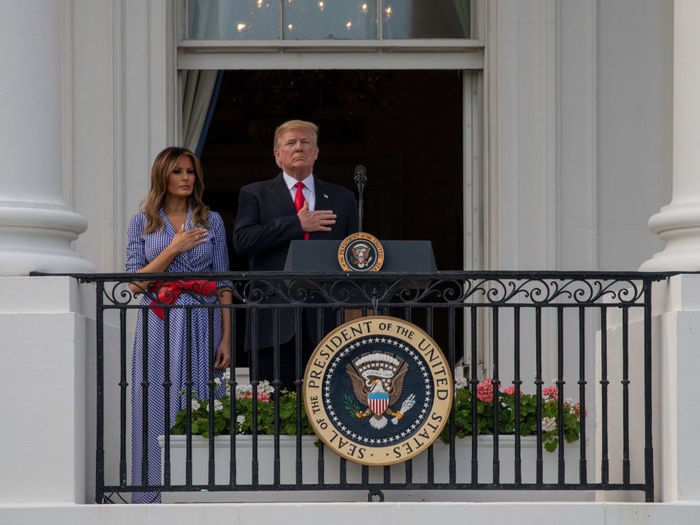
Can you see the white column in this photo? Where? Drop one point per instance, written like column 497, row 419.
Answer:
column 680, row 392
column 678, row 223
column 36, row 226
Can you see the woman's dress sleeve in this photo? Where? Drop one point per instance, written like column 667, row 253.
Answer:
column 219, row 261
column 135, row 248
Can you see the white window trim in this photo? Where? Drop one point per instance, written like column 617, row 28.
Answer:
column 322, row 54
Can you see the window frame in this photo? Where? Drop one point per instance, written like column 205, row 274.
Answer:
column 477, row 8
column 448, row 53
column 465, row 55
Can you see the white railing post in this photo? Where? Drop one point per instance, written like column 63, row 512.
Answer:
column 43, row 390
column 679, row 360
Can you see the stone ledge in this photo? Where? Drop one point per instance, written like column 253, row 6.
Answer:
column 354, row 513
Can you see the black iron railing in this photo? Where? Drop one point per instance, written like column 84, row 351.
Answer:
column 517, row 324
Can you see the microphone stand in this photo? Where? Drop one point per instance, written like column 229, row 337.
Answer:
column 360, row 181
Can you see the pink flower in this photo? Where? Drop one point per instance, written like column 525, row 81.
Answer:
column 550, row 393
column 484, row 390
column 511, row 391
column 265, row 398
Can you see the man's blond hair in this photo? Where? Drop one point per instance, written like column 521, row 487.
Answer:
column 294, row 124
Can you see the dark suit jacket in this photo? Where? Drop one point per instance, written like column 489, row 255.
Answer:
column 267, row 221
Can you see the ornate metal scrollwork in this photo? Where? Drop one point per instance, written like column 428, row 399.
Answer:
column 119, row 294
column 343, row 289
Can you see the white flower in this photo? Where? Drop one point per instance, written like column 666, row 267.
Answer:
column 242, row 389
column 240, row 420
column 265, row 387
column 217, row 382
column 460, row 382
column 227, row 374
column 218, row 405
column 569, row 404
column 548, row 423
column 195, row 404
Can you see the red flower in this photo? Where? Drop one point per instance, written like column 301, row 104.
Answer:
column 484, row 390
column 550, row 393
column 265, row 398
column 511, row 391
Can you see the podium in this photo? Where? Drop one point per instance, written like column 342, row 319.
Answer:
column 322, row 257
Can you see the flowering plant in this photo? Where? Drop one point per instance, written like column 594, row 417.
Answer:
column 506, row 413
column 243, row 397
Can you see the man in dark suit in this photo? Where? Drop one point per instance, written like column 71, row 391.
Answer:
column 292, row 205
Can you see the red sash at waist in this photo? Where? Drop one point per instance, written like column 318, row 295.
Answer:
column 167, row 292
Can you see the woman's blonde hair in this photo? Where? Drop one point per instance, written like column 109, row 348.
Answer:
column 163, row 165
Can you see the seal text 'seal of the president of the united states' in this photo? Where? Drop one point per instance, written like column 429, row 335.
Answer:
column 378, row 390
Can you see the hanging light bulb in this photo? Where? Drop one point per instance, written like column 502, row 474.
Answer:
column 321, row 5
column 241, row 26
column 290, row 26
column 365, row 8
column 388, row 11
column 259, row 3
column 348, row 25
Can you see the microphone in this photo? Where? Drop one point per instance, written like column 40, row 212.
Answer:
column 360, row 178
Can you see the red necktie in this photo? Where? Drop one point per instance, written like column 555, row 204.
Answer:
column 299, row 201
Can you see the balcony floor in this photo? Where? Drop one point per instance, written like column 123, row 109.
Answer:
column 354, row 513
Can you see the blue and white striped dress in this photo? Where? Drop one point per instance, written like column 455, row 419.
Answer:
column 210, row 256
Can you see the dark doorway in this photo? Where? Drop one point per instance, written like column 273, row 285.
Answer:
column 404, row 126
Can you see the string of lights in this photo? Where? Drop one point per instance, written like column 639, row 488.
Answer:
column 324, row 19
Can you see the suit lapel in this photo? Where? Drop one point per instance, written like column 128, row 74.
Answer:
column 282, row 196
column 324, row 198
column 324, row 201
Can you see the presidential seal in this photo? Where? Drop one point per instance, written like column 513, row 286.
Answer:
column 361, row 252
column 378, row 390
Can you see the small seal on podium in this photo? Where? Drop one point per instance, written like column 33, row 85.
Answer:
column 378, row 390
column 361, row 252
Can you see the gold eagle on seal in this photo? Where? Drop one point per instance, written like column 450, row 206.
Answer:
column 377, row 382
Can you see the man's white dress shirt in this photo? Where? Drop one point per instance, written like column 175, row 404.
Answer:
column 308, row 190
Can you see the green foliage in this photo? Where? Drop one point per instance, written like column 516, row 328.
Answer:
column 244, row 416
column 506, row 417
column 352, row 406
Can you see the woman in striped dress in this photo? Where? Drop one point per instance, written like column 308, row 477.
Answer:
column 175, row 232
